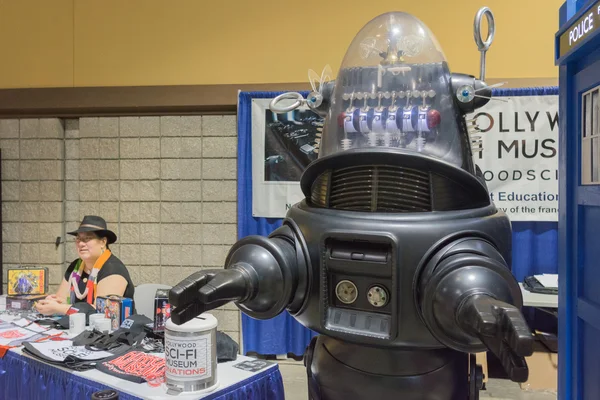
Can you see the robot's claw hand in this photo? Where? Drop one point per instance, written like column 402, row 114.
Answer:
column 206, row 290
column 502, row 328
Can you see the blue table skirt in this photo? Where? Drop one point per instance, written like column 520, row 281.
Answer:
column 24, row 378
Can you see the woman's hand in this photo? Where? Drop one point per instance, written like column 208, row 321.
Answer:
column 55, row 298
column 51, row 307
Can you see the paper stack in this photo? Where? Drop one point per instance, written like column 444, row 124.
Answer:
column 548, row 280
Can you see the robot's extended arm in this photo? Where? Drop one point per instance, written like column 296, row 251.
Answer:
column 502, row 329
column 471, row 302
column 264, row 276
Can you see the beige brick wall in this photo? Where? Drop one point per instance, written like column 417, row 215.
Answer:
column 32, row 193
column 165, row 185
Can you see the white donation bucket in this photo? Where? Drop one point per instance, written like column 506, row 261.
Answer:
column 191, row 355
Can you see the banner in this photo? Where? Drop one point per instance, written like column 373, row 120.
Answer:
column 519, row 157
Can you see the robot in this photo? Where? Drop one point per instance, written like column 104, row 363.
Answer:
column 397, row 256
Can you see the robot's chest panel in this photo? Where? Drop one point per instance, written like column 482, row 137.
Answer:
column 359, row 287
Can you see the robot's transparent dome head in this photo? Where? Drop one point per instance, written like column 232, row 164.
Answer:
column 393, row 90
column 391, row 39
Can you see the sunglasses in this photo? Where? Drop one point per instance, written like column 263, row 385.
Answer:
column 84, row 239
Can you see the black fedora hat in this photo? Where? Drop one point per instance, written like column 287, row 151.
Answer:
column 93, row 223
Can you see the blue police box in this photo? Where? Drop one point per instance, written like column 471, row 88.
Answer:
column 577, row 47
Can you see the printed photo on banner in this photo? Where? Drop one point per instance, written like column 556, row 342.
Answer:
column 519, row 157
column 282, row 148
column 289, row 144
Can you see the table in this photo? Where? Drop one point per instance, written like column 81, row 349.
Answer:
column 24, row 377
column 543, row 302
column 538, row 300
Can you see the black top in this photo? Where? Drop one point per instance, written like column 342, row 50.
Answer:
column 112, row 266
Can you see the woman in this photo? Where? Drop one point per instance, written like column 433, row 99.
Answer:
column 97, row 272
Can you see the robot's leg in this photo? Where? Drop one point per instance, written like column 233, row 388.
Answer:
column 313, row 389
column 475, row 378
column 338, row 370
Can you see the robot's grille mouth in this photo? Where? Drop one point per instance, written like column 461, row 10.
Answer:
column 394, row 189
column 373, row 188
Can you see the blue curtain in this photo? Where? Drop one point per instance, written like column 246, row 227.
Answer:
column 535, row 244
column 282, row 334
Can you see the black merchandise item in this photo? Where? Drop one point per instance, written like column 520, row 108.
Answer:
column 112, row 266
column 109, row 394
column 48, row 321
column 113, row 341
column 88, row 337
column 253, row 365
column 531, row 284
column 137, row 328
column 227, row 348
column 135, row 324
column 133, row 334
